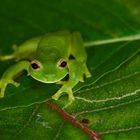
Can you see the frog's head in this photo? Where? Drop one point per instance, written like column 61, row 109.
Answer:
column 50, row 64
column 50, row 71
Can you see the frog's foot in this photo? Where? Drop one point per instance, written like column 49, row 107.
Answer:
column 57, row 95
column 60, row 82
column 3, row 85
column 81, row 79
column 87, row 73
column 2, row 92
column 14, row 83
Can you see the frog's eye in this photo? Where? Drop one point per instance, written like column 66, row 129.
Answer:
column 62, row 63
column 35, row 65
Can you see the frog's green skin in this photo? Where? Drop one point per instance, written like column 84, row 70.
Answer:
column 48, row 52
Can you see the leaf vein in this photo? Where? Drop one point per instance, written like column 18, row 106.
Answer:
column 28, row 121
column 119, row 130
column 107, row 108
column 109, row 99
column 59, row 131
column 110, row 82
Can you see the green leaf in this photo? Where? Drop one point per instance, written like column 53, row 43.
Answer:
column 109, row 99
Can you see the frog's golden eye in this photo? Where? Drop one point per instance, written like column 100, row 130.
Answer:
column 62, row 63
column 35, row 65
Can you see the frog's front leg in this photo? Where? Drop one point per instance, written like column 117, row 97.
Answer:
column 9, row 75
column 76, row 72
column 64, row 89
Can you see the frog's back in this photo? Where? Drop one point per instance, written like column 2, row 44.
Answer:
column 53, row 44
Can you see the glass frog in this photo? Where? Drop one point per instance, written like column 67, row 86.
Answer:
column 49, row 59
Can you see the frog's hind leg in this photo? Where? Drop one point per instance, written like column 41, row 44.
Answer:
column 6, row 57
column 9, row 56
column 24, row 51
column 79, row 53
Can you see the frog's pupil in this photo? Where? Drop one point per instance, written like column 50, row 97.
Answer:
column 63, row 64
column 34, row 66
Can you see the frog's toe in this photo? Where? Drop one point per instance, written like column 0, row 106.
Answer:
column 81, row 79
column 60, row 82
column 87, row 73
column 14, row 83
column 56, row 96
column 2, row 91
column 1, row 95
column 62, row 90
column 71, row 97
